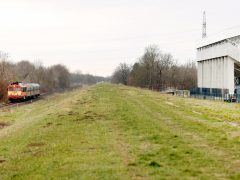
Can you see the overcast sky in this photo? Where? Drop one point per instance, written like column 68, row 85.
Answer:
column 94, row 36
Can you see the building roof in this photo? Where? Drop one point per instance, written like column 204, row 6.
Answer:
column 229, row 33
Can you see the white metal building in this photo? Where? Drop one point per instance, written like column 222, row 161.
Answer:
column 219, row 63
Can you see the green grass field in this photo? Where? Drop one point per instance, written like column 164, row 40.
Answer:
column 117, row 132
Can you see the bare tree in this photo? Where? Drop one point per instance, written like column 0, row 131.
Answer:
column 121, row 74
column 157, row 70
column 148, row 60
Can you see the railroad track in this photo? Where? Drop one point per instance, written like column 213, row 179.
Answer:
column 42, row 95
column 16, row 104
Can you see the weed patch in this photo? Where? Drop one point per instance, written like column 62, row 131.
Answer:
column 2, row 161
column 3, row 125
column 154, row 164
column 35, row 144
column 132, row 164
column 47, row 125
column 89, row 116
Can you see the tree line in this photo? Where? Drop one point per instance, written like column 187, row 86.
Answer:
column 157, row 70
column 50, row 78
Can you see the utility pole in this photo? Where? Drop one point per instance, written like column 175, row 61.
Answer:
column 204, row 28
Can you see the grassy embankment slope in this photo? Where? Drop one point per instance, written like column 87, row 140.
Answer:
column 116, row 132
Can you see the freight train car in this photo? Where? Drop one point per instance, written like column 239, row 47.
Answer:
column 19, row 91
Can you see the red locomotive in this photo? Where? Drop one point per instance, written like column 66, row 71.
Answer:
column 22, row 91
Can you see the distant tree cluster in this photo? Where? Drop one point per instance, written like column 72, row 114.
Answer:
column 79, row 78
column 50, row 78
column 156, row 70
